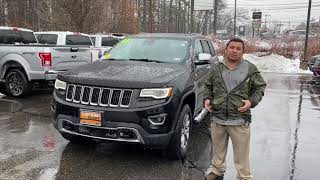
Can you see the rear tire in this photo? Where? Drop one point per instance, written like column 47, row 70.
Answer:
column 180, row 140
column 17, row 84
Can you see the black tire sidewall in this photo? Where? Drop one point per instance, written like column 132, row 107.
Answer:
column 174, row 150
column 25, row 83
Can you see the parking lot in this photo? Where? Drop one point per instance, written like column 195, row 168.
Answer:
column 284, row 142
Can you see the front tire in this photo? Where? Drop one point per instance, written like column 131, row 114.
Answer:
column 180, row 140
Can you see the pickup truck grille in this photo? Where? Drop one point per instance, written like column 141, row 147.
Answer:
column 97, row 96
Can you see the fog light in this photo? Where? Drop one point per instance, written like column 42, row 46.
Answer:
column 157, row 120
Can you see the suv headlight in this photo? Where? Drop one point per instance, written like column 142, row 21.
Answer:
column 60, row 85
column 157, row 93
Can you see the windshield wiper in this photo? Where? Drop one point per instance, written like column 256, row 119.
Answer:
column 145, row 60
column 113, row 59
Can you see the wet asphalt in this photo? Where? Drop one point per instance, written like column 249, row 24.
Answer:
column 284, row 142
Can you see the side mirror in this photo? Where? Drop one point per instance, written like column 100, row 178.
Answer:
column 203, row 58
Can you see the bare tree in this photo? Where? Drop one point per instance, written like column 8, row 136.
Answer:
column 101, row 16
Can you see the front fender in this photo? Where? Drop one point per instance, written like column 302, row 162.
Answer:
column 177, row 113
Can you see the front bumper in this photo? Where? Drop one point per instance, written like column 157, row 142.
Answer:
column 117, row 124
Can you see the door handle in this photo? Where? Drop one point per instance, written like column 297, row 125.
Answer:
column 73, row 56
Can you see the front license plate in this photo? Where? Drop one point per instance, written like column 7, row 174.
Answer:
column 90, row 118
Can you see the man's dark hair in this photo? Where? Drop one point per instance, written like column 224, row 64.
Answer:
column 235, row 40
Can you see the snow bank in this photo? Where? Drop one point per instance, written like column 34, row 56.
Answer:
column 276, row 63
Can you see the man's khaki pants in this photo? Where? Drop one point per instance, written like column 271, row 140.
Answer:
column 240, row 137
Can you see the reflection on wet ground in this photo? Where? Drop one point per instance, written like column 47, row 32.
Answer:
column 284, row 142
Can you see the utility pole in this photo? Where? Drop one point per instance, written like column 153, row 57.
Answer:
column 265, row 21
column 280, row 25
column 235, row 18
column 307, row 33
column 289, row 24
column 192, row 19
column 215, row 17
column 253, row 29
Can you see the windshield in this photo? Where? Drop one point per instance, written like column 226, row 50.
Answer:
column 163, row 50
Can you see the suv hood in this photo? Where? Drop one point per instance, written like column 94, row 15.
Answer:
column 124, row 74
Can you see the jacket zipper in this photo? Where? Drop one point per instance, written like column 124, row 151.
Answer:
column 227, row 101
column 224, row 86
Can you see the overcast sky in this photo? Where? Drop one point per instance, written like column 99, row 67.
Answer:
column 294, row 11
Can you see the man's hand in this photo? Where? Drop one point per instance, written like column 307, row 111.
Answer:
column 207, row 105
column 246, row 106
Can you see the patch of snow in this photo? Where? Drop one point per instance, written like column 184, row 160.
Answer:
column 1, row 95
column 275, row 63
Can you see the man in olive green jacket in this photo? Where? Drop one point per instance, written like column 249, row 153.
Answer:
column 233, row 87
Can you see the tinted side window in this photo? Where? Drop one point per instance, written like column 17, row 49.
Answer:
column 198, row 48
column 205, row 46
column 109, row 41
column 47, row 38
column 27, row 37
column 213, row 52
column 78, row 40
column 38, row 36
column 16, row 36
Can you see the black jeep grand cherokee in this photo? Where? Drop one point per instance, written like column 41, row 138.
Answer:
column 146, row 90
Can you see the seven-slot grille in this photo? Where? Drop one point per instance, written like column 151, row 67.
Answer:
column 96, row 96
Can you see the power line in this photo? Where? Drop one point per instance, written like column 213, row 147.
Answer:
column 282, row 4
column 282, row 9
column 291, row 4
column 292, row 8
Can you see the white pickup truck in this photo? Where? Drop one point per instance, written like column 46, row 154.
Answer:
column 24, row 62
column 104, row 42
column 66, row 38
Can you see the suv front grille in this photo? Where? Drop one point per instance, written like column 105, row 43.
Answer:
column 96, row 96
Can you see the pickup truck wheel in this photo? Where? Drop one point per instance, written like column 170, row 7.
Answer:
column 17, row 84
column 77, row 139
column 181, row 137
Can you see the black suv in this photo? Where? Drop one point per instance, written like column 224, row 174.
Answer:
column 314, row 66
column 145, row 90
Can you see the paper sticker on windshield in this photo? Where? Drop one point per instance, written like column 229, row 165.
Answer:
column 125, row 41
column 107, row 56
